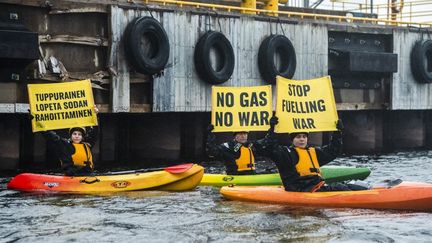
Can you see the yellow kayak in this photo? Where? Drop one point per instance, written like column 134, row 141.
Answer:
column 174, row 178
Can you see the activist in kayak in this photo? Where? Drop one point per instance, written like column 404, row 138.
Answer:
column 299, row 164
column 74, row 153
column 238, row 154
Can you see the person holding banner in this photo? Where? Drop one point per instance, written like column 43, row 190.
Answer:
column 299, row 164
column 74, row 152
column 238, row 154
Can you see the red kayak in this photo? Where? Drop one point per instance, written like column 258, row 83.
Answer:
column 405, row 196
column 175, row 178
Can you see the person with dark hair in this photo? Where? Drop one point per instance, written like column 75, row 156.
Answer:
column 74, row 152
column 299, row 163
column 238, row 154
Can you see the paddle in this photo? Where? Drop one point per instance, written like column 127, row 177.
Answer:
column 176, row 169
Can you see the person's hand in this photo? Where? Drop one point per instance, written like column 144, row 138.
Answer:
column 96, row 110
column 274, row 120
column 339, row 125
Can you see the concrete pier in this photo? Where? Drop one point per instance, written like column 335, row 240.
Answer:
column 147, row 119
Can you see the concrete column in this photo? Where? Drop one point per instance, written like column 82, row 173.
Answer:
column 404, row 130
column 26, row 141
column 154, row 137
column 363, row 131
column 9, row 144
column 192, row 134
column 428, row 129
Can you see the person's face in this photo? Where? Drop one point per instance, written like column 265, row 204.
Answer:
column 241, row 137
column 300, row 140
column 76, row 137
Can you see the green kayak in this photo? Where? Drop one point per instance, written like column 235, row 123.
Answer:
column 330, row 174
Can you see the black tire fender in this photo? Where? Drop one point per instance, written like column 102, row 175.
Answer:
column 146, row 45
column 421, row 61
column 202, row 58
column 276, row 44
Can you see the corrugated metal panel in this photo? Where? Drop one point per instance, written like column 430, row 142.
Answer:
column 120, row 82
column 180, row 89
column 406, row 92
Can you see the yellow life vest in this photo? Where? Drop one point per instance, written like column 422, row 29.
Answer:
column 82, row 154
column 246, row 161
column 308, row 162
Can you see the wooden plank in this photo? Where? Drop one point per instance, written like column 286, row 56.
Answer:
column 81, row 40
column 140, row 108
column 14, row 108
column 139, row 78
column 103, row 108
column 94, row 9
column 7, row 108
column 360, row 106
column 57, row 5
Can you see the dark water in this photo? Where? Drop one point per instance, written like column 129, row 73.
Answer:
column 203, row 215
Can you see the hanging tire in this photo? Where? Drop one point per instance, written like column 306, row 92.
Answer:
column 216, row 71
column 146, row 45
column 276, row 45
column 421, row 61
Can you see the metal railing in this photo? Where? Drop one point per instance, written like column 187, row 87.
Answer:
column 289, row 14
column 406, row 10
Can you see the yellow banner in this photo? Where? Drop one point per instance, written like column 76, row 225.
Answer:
column 241, row 108
column 305, row 105
column 61, row 105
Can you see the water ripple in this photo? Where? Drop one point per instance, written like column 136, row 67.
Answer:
column 203, row 215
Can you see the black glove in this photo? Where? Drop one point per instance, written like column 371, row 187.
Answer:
column 274, row 120
column 339, row 125
column 30, row 115
column 210, row 136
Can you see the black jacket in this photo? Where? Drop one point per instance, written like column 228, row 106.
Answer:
column 228, row 153
column 286, row 159
column 64, row 150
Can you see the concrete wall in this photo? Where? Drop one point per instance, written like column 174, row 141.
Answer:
column 10, row 141
column 363, row 131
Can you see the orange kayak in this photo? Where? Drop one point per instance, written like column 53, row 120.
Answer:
column 175, row 178
column 405, row 196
